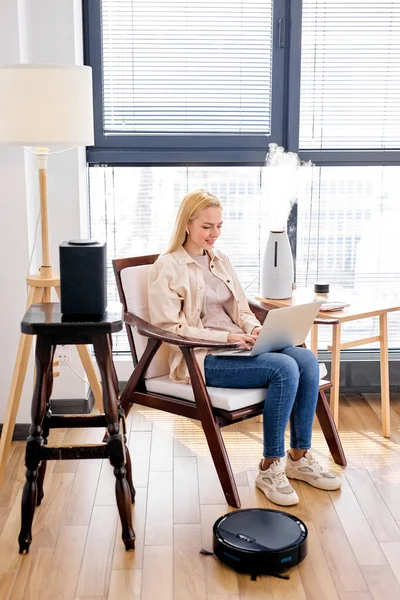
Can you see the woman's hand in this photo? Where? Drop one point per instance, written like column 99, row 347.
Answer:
column 256, row 331
column 245, row 339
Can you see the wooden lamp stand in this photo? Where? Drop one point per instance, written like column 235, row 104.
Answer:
column 40, row 287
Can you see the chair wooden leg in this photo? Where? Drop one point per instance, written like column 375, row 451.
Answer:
column 126, row 399
column 329, row 430
column 221, row 460
column 212, row 431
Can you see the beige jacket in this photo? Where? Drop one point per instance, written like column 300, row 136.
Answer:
column 176, row 294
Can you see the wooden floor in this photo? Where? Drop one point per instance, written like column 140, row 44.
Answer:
column 77, row 553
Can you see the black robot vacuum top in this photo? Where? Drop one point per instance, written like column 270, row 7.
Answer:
column 260, row 541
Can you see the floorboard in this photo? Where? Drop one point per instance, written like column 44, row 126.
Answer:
column 77, row 552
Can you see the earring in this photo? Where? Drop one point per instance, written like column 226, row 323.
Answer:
column 187, row 231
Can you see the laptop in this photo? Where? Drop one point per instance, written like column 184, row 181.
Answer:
column 283, row 327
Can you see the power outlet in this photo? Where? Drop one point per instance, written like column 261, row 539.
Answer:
column 62, row 355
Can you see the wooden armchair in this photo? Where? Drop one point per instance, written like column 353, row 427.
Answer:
column 150, row 385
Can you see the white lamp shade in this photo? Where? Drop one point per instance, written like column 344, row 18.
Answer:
column 45, row 105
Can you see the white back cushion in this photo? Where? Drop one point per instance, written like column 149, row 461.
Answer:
column 134, row 283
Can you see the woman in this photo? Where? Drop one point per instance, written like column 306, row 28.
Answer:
column 194, row 291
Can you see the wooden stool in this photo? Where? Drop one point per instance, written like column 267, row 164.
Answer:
column 51, row 328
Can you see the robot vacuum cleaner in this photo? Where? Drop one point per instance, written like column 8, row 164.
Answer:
column 260, row 541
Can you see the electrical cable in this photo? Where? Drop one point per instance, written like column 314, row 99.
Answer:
column 76, row 372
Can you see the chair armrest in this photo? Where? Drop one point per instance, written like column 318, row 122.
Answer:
column 259, row 310
column 156, row 333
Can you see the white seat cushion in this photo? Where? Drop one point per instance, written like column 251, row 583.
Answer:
column 224, row 398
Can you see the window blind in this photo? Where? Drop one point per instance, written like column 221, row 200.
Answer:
column 133, row 209
column 187, row 67
column 350, row 75
column 347, row 235
column 346, row 226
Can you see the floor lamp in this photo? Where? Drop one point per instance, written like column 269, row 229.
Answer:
column 43, row 106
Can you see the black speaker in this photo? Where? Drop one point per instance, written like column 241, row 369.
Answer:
column 83, row 277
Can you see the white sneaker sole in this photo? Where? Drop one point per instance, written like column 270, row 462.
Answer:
column 277, row 498
column 328, row 485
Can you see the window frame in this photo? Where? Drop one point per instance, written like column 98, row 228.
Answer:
column 324, row 157
column 219, row 149
column 186, row 149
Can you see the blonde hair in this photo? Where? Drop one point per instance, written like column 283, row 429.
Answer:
column 192, row 204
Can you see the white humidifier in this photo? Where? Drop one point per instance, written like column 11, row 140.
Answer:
column 277, row 267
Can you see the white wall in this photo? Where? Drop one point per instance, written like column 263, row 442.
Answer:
column 36, row 31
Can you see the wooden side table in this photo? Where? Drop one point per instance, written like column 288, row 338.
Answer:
column 51, row 328
column 359, row 308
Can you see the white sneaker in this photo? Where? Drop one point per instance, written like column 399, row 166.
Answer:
column 309, row 470
column 273, row 482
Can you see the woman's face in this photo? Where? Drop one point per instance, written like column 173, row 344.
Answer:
column 205, row 229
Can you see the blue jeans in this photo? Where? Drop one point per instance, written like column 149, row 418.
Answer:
column 292, row 379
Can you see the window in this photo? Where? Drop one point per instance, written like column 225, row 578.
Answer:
column 187, row 67
column 211, row 125
column 347, row 235
column 350, row 69
column 134, row 208
column 183, row 82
